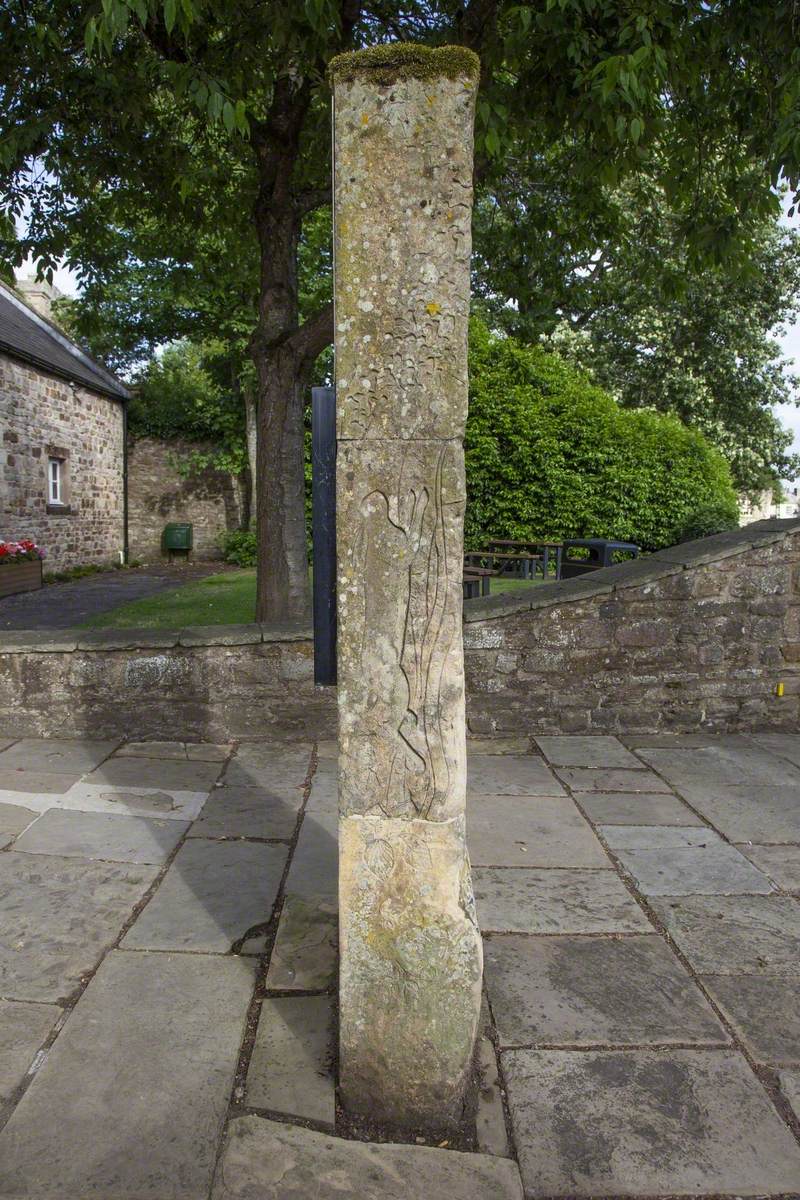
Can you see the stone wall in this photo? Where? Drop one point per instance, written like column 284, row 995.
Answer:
column 158, row 493
column 42, row 416
column 696, row 637
column 218, row 684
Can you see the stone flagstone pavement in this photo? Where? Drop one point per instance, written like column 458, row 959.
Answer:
column 168, row 968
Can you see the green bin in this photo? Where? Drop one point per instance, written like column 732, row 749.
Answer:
column 178, row 536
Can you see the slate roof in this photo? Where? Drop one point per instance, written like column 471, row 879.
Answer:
column 35, row 340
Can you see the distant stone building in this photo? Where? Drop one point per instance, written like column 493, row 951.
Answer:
column 765, row 506
column 62, row 439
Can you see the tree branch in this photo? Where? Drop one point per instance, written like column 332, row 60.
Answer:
column 307, row 201
column 311, row 338
column 476, row 23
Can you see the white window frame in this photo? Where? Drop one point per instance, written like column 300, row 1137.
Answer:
column 55, row 481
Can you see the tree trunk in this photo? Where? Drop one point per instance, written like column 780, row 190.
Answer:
column 283, row 588
column 251, row 428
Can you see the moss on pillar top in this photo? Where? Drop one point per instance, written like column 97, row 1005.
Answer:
column 404, row 60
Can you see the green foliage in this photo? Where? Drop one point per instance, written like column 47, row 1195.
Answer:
column 182, row 121
column 240, row 547
column 625, row 297
column 177, row 395
column 550, row 455
column 710, row 518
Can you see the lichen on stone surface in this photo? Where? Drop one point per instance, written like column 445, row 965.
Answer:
column 404, row 60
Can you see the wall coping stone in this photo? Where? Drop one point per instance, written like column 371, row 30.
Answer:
column 289, row 631
column 220, row 635
column 122, row 639
column 24, row 641
column 40, row 641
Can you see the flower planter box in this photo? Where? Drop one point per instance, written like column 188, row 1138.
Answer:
column 20, row 577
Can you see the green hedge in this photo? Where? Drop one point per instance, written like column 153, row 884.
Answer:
column 239, row 547
column 549, row 455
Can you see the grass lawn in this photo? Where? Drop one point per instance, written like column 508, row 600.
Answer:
column 227, row 599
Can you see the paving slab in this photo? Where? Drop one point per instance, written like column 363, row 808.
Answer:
column 193, row 751
column 102, row 836
column 278, row 768
column 750, row 813
column 764, row 1012
column 721, row 763
column 586, row 751
column 510, row 775
column 790, row 1086
column 735, row 935
column 13, row 819
column 23, row 1029
column 787, row 745
column 232, row 812
column 583, row 991
column 525, row 831
column 680, row 741
column 715, row 869
column 212, row 894
column 156, row 773
column 637, row 808
column 655, row 837
column 5, row 743
column 314, row 871
column 132, row 1098
column 264, row 1160
column 646, row 1123
column 17, row 785
column 781, row 863
column 584, row 779
column 172, row 804
column 291, row 1068
column 57, row 917
column 304, row 954
column 491, row 1135
column 324, row 794
column 555, row 901
column 59, row 756
column 498, row 745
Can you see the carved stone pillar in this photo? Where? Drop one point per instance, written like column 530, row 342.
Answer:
column 411, row 958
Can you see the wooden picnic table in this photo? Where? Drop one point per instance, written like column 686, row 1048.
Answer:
column 535, row 552
column 474, row 558
column 476, row 583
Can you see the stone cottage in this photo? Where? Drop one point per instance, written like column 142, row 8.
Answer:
column 62, row 440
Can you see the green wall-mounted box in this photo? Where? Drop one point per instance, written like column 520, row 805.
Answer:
column 178, row 536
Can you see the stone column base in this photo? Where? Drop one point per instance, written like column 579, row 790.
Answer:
column 411, row 966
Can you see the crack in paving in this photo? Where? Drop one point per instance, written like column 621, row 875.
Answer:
column 236, row 1107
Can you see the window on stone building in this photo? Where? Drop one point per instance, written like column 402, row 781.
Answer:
column 55, row 481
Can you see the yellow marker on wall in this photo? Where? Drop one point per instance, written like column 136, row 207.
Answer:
column 779, row 689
